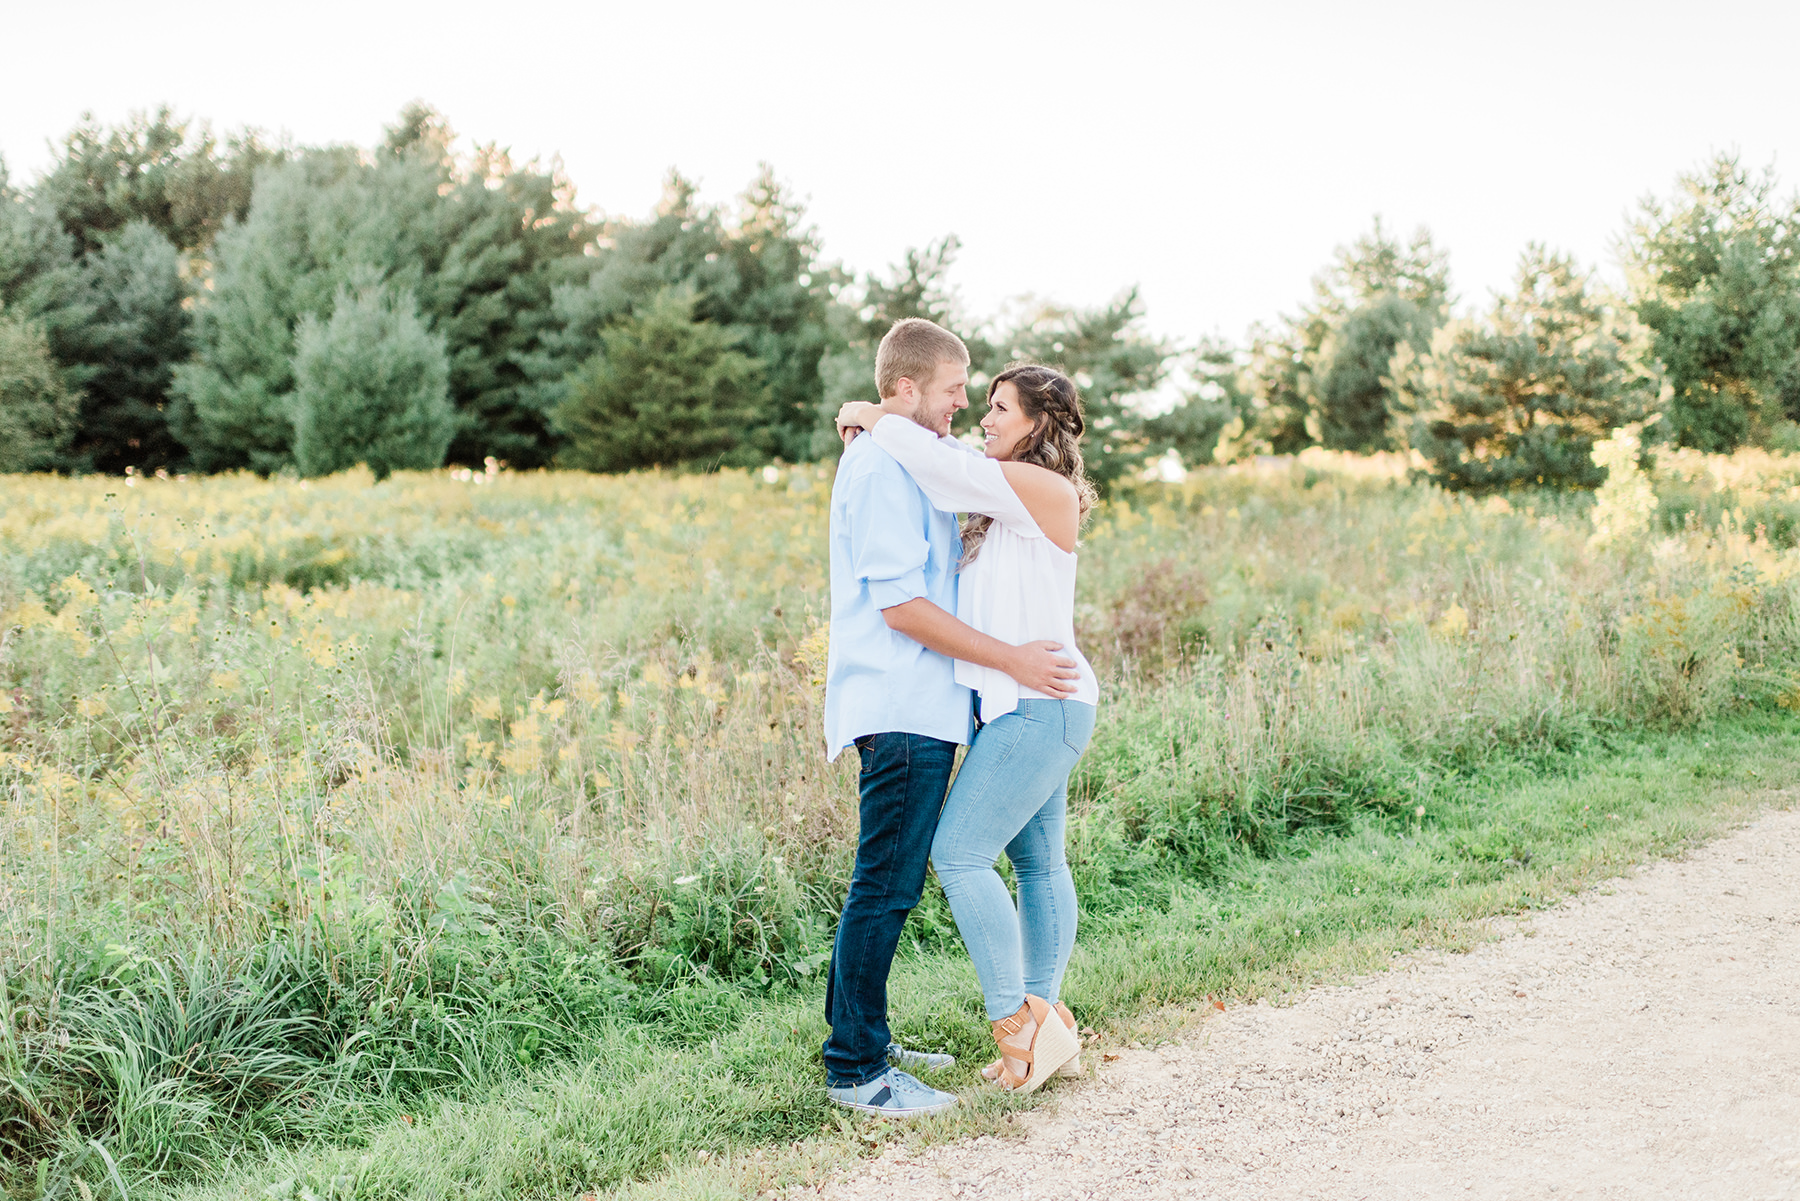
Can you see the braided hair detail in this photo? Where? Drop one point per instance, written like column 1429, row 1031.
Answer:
column 1053, row 403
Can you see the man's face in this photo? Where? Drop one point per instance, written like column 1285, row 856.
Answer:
column 941, row 396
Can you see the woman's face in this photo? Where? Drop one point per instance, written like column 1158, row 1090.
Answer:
column 1006, row 424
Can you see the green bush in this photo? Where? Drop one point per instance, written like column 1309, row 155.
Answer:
column 37, row 411
column 370, row 387
column 1519, row 398
column 665, row 390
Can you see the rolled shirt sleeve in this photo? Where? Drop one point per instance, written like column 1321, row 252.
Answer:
column 888, row 554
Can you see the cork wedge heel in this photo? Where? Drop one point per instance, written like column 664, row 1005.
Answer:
column 1073, row 1067
column 1067, row 1070
column 1043, row 1050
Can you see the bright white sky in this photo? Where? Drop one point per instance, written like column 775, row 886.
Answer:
column 1212, row 153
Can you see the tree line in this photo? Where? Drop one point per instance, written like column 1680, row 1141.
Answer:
column 1701, row 347
column 170, row 300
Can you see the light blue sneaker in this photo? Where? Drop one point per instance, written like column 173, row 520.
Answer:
column 908, row 1060
column 893, row 1094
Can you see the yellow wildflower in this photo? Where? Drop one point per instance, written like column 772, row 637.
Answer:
column 1454, row 623
column 316, row 644
column 587, row 690
column 520, row 758
column 82, row 597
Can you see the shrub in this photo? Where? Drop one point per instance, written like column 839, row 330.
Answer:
column 371, row 387
column 665, row 390
column 1154, row 619
column 1715, row 272
column 1519, row 398
column 37, row 411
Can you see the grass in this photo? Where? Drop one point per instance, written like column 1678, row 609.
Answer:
column 1330, row 907
column 461, row 834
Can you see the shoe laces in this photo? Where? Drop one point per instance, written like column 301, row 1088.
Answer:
column 900, row 1081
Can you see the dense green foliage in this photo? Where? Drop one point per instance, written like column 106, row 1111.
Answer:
column 37, row 414
column 1521, row 396
column 755, row 277
column 1716, row 273
column 157, row 169
column 96, row 254
column 1219, row 401
column 663, row 389
column 1321, row 380
column 479, row 243
column 371, row 385
column 170, row 273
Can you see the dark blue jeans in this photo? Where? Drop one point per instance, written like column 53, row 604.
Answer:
column 904, row 778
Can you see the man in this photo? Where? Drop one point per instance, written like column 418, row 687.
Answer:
column 891, row 691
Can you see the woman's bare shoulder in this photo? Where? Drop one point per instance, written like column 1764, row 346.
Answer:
column 1031, row 481
column 1050, row 498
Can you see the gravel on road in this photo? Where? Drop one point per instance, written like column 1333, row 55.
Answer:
column 1641, row 1040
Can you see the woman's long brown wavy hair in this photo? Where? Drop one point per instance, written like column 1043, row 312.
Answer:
column 1052, row 402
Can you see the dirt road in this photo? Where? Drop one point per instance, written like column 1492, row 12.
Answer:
column 1642, row 1040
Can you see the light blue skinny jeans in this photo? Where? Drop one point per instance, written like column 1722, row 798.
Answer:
column 1012, row 794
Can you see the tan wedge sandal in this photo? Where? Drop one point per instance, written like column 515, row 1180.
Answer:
column 1069, row 1069
column 1073, row 1067
column 1051, row 1045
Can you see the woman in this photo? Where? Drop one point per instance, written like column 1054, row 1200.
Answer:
column 1025, row 501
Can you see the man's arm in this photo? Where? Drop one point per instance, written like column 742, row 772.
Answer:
column 1036, row 665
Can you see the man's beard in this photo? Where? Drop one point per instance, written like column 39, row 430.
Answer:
column 921, row 419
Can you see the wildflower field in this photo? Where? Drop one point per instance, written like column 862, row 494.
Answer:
column 342, row 819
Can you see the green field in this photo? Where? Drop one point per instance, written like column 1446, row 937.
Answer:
column 469, row 835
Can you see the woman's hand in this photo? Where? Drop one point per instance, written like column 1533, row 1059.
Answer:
column 857, row 415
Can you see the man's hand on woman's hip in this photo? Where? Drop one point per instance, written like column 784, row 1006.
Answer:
column 1042, row 666
column 1038, row 665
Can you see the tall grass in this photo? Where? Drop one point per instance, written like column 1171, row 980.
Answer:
column 328, row 801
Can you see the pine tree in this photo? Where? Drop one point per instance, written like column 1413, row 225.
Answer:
column 37, row 410
column 1519, row 398
column 371, row 386
column 157, row 168
column 481, row 243
column 755, row 274
column 780, row 305
column 1213, row 410
column 1715, row 271
column 1112, row 360
column 304, row 233
column 1319, row 379
column 132, row 332
column 665, row 389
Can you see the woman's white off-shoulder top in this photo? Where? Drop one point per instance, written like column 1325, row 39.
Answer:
column 1021, row 586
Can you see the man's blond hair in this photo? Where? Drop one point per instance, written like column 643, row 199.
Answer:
column 912, row 350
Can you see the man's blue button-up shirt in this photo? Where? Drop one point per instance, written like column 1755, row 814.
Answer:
column 888, row 546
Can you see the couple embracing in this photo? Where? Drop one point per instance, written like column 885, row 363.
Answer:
column 944, row 637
